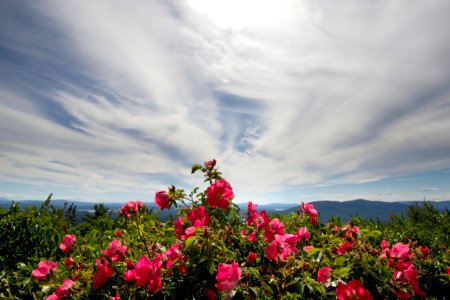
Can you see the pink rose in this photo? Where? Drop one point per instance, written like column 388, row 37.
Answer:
column 324, row 274
column 43, row 269
column 131, row 207
column 52, row 297
column 162, row 200
column 227, row 276
column 69, row 261
column 352, row 290
column 67, row 243
column 210, row 163
column 311, row 211
column 115, row 251
column 116, row 297
column 64, row 289
column 104, row 271
column 251, row 258
column 220, row 194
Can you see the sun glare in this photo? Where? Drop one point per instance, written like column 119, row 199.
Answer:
column 239, row 14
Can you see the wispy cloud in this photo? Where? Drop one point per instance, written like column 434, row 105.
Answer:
column 114, row 96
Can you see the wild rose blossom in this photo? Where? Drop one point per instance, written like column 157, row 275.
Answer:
column 311, row 211
column 130, row 208
column 344, row 248
column 162, row 200
column 67, row 243
column 52, row 297
column 220, row 194
column 252, row 218
column 116, row 251
column 352, row 290
column 324, row 274
column 227, row 276
column 116, row 297
column 251, row 258
column 104, row 272
column 210, row 163
column 146, row 272
column 399, row 257
column 69, row 261
column 43, row 269
column 64, row 289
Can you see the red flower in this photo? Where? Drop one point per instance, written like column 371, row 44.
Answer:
column 311, row 211
column 162, row 200
column 448, row 270
column 324, row 274
column 64, row 289
column 119, row 233
column 115, row 251
column 102, row 275
column 220, row 194
column 227, row 276
column 352, row 290
column 116, row 297
column 251, row 258
column 399, row 257
column 43, row 269
column 52, row 297
column 146, row 272
column 252, row 215
column 130, row 208
column 173, row 254
column 69, row 261
column 67, row 243
column 210, row 163
column 272, row 251
column 344, row 248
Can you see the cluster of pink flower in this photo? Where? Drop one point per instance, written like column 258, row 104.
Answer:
column 46, row 268
column 197, row 217
column 309, row 209
column 131, row 208
column 405, row 276
column 148, row 272
column 281, row 244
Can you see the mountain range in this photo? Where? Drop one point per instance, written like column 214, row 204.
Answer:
column 367, row 209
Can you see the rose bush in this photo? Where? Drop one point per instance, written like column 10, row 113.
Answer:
column 210, row 251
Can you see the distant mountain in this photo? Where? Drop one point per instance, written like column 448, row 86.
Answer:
column 366, row 209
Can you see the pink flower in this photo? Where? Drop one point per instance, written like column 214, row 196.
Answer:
column 198, row 217
column 179, row 227
column 64, row 289
column 424, row 251
column 448, row 270
column 272, row 251
column 324, row 274
column 308, row 248
column 115, row 251
column 146, row 272
column 173, row 254
column 311, row 211
column 69, row 261
column 220, row 194
column 116, row 297
column 227, row 277
column 43, row 269
column 251, row 258
column 399, row 257
column 210, row 163
column 162, row 200
column 52, row 297
column 303, row 233
column 103, row 274
column 252, row 214
column 67, row 243
column 344, row 248
column 119, row 233
column 130, row 208
column 352, row 290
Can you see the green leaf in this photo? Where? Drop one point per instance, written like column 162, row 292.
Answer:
column 189, row 242
column 195, row 168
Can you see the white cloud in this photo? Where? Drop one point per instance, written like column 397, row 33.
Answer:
column 316, row 93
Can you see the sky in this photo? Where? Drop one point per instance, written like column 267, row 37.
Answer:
column 112, row 101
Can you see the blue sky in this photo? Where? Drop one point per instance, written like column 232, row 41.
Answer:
column 297, row 100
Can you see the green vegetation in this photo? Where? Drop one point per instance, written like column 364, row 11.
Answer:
column 276, row 256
